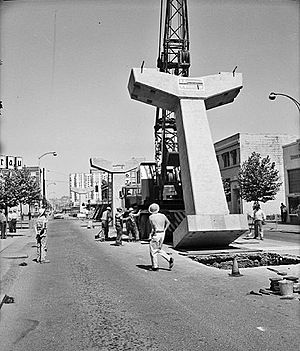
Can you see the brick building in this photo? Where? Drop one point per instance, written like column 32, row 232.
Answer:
column 231, row 152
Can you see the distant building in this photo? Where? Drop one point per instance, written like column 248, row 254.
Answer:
column 90, row 180
column 291, row 160
column 231, row 152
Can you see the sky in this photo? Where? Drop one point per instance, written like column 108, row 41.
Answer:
column 65, row 68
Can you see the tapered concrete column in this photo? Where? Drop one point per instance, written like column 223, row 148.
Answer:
column 208, row 222
column 201, row 180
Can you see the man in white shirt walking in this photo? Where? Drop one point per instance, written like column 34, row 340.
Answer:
column 159, row 224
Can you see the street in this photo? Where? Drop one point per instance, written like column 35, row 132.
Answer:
column 97, row 296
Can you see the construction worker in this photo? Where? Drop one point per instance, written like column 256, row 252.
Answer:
column 41, row 236
column 131, row 225
column 119, row 225
column 105, row 219
column 159, row 224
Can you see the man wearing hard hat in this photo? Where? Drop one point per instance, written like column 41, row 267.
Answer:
column 159, row 224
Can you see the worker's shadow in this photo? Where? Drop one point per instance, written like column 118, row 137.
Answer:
column 148, row 267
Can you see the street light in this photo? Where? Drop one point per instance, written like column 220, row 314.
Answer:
column 47, row 153
column 53, row 153
column 273, row 96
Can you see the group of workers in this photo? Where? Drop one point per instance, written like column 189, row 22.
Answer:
column 159, row 224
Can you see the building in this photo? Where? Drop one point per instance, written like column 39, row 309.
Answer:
column 291, row 160
column 94, row 180
column 231, row 152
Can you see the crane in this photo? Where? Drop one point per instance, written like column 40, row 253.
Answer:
column 173, row 58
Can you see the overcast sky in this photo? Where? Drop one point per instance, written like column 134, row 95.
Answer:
column 66, row 66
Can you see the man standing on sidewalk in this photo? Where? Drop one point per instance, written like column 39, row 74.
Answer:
column 259, row 219
column 14, row 219
column 41, row 236
column 159, row 224
column 2, row 224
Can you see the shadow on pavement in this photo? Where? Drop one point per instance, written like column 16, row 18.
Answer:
column 149, row 267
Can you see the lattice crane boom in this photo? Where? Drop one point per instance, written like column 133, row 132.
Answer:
column 173, row 58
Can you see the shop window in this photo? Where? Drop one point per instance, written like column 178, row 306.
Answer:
column 294, row 202
column 226, row 160
column 294, row 180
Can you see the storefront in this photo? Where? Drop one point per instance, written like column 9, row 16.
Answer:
column 291, row 159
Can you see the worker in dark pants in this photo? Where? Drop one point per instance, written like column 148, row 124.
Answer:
column 119, row 226
column 105, row 219
column 14, row 219
column 2, row 224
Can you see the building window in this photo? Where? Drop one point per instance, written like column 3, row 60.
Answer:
column 294, row 202
column 226, row 161
column 233, row 155
column 294, row 180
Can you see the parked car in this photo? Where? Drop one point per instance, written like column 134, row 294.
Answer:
column 58, row 216
column 81, row 215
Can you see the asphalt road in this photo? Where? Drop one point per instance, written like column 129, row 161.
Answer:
column 96, row 296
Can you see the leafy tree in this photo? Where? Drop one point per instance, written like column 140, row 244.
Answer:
column 29, row 190
column 17, row 186
column 258, row 179
column 9, row 196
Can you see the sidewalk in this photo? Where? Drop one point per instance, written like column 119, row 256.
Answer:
column 12, row 237
column 284, row 228
column 10, row 247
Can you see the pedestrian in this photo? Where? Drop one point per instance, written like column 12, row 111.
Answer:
column 14, row 219
column 119, row 225
column 259, row 219
column 105, row 220
column 159, row 224
column 283, row 212
column 2, row 224
column 9, row 222
column 41, row 236
column 132, row 227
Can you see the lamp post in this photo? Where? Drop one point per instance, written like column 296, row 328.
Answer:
column 53, row 153
column 273, row 96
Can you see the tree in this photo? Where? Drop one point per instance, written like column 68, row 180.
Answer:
column 258, row 179
column 17, row 186
column 29, row 190
column 8, row 190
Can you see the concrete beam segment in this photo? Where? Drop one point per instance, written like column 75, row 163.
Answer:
column 111, row 167
column 204, row 198
column 207, row 231
column 163, row 90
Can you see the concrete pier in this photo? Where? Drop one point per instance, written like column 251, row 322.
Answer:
column 208, row 222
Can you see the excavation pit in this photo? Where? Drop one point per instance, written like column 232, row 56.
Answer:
column 246, row 260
